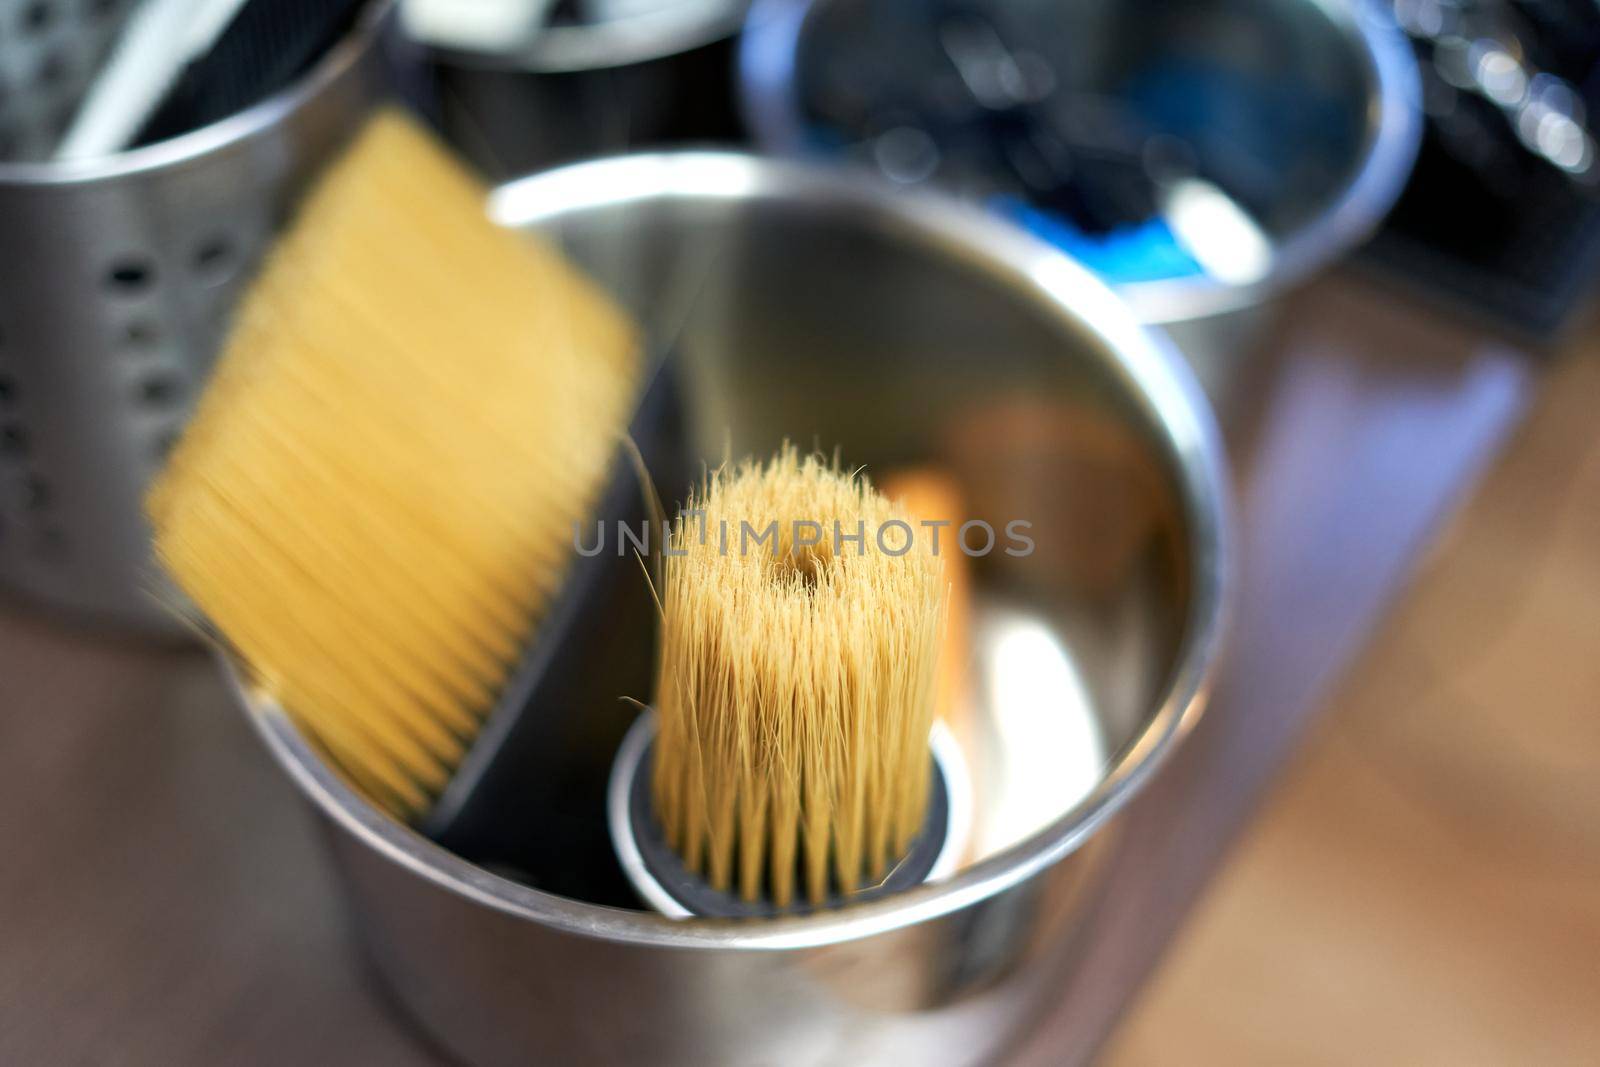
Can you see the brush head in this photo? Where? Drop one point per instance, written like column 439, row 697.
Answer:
column 796, row 687
column 375, row 500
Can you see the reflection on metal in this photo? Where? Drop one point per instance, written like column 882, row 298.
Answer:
column 1484, row 49
column 1217, row 232
column 1044, row 749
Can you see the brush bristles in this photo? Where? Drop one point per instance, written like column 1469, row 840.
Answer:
column 375, row 499
column 796, row 684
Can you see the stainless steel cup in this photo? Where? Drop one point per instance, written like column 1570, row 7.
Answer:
column 624, row 76
column 116, row 279
column 1319, row 189
column 911, row 331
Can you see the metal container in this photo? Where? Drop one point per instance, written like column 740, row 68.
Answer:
column 911, row 331
column 626, row 75
column 116, row 279
column 1312, row 107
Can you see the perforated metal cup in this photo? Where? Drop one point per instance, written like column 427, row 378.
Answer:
column 116, row 279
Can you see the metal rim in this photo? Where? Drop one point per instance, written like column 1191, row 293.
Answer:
column 254, row 120
column 640, row 38
column 766, row 88
column 1060, row 288
column 636, row 743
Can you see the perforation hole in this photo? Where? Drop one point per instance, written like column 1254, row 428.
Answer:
column 52, row 71
column 141, row 334
column 36, row 494
column 8, row 392
column 13, row 440
column 214, row 259
column 130, row 275
column 159, row 390
column 37, row 17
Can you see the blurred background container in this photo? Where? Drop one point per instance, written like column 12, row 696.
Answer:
column 1501, row 222
column 579, row 79
column 1201, row 156
column 117, row 275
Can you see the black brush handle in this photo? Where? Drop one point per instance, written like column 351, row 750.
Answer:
column 266, row 46
column 529, row 800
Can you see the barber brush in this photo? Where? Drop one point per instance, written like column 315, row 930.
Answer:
column 373, row 506
column 792, row 760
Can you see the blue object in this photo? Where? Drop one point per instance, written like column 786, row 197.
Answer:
column 1145, row 252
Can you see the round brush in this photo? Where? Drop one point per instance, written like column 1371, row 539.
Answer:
column 791, row 760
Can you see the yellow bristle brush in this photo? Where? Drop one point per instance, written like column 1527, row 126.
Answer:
column 373, row 505
column 796, row 694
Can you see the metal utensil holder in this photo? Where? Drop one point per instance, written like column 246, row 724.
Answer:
column 117, row 276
